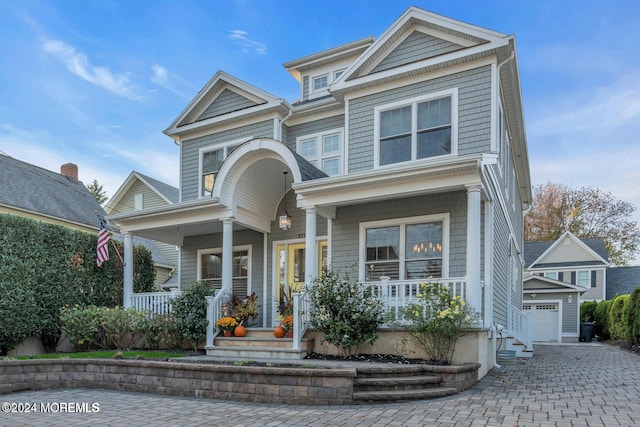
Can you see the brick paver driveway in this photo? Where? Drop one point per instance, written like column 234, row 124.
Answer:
column 562, row 385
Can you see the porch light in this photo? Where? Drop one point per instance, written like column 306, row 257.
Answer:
column 284, row 220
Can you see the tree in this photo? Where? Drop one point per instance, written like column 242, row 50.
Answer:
column 97, row 192
column 587, row 213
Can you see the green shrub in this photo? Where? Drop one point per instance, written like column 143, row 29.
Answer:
column 160, row 332
column 437, row 320
column 18, row 314
column 601, row 317
column 123, row 327
column 587, row 310
column 616, row 325
column 190, row 313
column 83, row 326
column 58, row 265
column 631, row 317
column 346, row 310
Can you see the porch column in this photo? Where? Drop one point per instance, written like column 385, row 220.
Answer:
column 310, row 259
column 474, row 290
column 127, row 290
column 227, row 254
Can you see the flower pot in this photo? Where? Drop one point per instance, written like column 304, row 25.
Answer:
column 227, row 333
column 240, row 331
column 290, row 334
column 278, row 332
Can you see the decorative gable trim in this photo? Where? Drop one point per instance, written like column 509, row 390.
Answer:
column 474, row 42
column 559, row 285
column 202, row 111
column 580, row 243
column 124, row 188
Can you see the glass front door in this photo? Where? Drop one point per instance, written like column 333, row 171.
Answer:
column 291, row 273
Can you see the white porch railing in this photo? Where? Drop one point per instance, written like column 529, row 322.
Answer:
column 155, row 302
column 397, row 294
column 520, row 325
column 214, row 311
column 301, row 308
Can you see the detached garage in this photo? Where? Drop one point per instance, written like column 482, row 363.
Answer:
column 554, row 307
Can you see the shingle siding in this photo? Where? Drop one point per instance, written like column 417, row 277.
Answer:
column 474, row 114
column 294, row 132
column 190, row 152
column 149, row 198
column 227, row 102
column 501, row 254
column 346, row 226
column 416, row 47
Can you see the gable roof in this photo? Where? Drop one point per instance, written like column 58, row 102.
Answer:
column 167, row 192
column 224, row 98
column 535, row 252
column 34, row 190
column 541, row 284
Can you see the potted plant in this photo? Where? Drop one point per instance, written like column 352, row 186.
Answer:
column 226, row 325
column 287, row 325
column 244, row 309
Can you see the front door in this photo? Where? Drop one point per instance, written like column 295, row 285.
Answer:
column 291, row 273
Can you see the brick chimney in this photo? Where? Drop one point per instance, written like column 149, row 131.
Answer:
column 70, row 170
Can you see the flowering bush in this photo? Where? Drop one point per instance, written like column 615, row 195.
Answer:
column 437, row 320
column 227, row 323
column 347, row 311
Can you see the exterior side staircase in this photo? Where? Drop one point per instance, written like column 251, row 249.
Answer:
column 259, row 343
column 510, row 343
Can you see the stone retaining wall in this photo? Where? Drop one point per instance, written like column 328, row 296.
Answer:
column 291, row 385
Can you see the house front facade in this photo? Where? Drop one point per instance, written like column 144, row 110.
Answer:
column 403, row 160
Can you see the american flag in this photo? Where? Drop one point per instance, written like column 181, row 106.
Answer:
column 102, row 252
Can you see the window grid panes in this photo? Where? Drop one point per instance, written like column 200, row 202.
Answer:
column 308, row 148
column 320, row 82
column 323, row 150
column 415, row 131
column 331, row 143
column 331, row 167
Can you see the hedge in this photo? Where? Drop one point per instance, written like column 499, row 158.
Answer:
column 46, row 266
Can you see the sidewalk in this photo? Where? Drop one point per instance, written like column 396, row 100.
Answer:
column 583, row 384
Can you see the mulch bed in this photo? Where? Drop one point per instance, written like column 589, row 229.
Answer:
column 623, row 345
column 372, row 358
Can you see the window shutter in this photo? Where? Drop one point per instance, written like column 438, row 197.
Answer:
column 573, row 277
column 593, row 278
column 561, row 276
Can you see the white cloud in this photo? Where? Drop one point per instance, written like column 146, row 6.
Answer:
column 242, row 39
column 167, row 80
column 79, row 65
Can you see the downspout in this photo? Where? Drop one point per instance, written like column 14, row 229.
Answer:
column 279, row 138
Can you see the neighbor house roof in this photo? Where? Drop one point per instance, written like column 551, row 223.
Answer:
column 33, row 191
column 622, row 280
column 534, row 250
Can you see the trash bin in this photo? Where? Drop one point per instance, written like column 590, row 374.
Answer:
column 586, row 331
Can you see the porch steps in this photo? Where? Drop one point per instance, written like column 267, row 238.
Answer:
column 400, row 384
column 259, row 343
column 521, row 350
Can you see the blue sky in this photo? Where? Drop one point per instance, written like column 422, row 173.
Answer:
column 96, row 82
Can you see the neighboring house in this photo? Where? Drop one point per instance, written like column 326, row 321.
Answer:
column 405, row 156
column 559, row 276
column 622, row 280
column 57, row 198
column 140, row 192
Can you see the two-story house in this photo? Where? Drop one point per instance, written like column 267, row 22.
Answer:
column 559, row 276
column 405, row 155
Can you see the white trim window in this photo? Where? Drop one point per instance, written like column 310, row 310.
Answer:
column 210, row 161
column 583, row 278
column 406, row 248
column 418, row 128
column 209, row 268
column 319, row 83
column 324, row 150
column 551, row 275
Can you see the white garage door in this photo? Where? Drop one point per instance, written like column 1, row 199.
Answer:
column 546, row 320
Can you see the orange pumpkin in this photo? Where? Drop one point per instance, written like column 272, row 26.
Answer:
column 278, row 332
column 240, row 331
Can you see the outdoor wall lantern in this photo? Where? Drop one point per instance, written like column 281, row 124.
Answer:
column 285, row 219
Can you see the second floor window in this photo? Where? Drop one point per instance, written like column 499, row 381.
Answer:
column 211, row 159
column 320, row 82
column 323, row 150
column 416, row 129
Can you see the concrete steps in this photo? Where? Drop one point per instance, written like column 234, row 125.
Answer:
column 259, row 343
column 393, row 385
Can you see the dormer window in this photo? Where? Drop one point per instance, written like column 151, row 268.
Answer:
column 320, row 82
column 415, row 129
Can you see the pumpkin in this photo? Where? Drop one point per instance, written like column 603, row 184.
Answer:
column 240, row 331
column 278, row 332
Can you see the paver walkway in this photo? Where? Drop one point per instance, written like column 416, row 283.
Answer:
column 562, row 385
